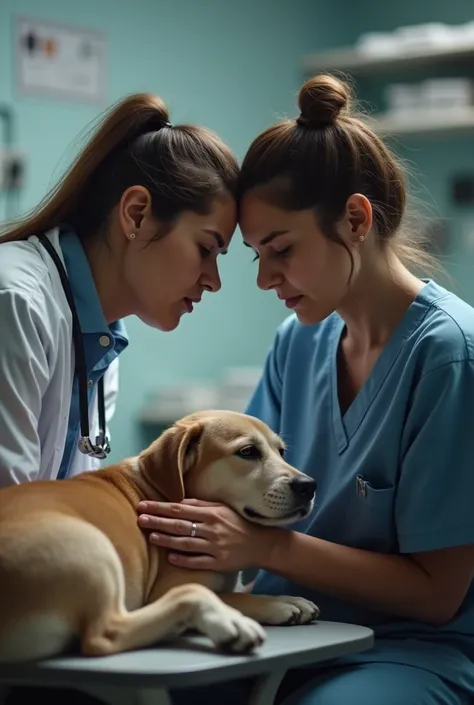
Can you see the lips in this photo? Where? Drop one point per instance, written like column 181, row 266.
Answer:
column 189, row 303
column 293, row 301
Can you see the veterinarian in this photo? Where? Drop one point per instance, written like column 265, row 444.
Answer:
column 134, row 227
column 370, row 382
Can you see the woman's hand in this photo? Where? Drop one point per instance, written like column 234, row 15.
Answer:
column 214, row 536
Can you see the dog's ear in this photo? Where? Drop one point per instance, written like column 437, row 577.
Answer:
column 168, row 458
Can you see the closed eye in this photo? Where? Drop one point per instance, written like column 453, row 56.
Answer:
column 280, row 254
column 204, row 251
column 283, row 253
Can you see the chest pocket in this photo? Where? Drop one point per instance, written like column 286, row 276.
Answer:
column 372, row 515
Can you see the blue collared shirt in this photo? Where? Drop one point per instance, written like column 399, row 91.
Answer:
column 102, row 342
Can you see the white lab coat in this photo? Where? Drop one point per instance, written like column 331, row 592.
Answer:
column 37, row 366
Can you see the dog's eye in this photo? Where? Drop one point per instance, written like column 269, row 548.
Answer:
column 249, row 453
column 281, row 451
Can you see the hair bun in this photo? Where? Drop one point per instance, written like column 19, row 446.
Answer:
column 321, row 100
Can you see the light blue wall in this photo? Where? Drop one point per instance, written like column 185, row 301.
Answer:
column 432, row 162
column 234, row 66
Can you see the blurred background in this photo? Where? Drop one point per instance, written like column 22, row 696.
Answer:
column 236, row 67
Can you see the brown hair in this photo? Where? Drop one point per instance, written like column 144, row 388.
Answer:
column 183, row 167
column 325, row 155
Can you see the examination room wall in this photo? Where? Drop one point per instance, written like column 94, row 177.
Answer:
column 434, row 162
column 234, row 66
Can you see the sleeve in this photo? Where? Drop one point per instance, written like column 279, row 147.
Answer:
column 24, row 379
column 265, row 402
column 434, row 498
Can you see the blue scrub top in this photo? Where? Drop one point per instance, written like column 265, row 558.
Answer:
column 395, row 473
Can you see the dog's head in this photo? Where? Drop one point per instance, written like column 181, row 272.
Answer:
column 232, row 458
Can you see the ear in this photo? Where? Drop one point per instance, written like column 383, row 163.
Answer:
column 357, row 220
column 166, row 461
column 134, row 208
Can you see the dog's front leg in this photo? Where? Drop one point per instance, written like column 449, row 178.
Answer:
column 184, row 607
column 281, row 610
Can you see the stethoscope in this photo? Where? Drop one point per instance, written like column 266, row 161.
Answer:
column 101, row 447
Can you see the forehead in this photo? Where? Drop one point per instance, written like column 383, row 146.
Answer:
column 232, row 428
column 257, row 217
column 223, row 217
column 230, row 425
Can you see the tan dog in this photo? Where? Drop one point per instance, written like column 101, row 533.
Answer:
column 75, row 564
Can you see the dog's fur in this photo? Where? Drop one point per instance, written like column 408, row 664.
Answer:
column 75, row 564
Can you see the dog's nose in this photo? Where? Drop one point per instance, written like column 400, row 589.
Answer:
column 304, row 488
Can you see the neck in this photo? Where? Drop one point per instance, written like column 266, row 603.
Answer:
column 377, row 302
column 126, row 476
column 138, row 482
column 105, row 266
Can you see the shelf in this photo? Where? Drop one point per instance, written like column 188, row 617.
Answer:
column 430, row 124
column 360, row 63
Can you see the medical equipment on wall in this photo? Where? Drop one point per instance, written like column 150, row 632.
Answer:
column 12, row 166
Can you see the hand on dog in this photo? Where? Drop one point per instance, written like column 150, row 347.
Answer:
column 224, row 541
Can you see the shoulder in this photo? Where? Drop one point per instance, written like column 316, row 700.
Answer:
column 28, row 301
column 446, row 332
column 443, row 332
column 22, row 269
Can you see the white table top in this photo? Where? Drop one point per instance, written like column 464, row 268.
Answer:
column 192, row 661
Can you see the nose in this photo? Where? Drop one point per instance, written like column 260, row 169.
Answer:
column 210, row 279
column 304, row 488
column 268, row 277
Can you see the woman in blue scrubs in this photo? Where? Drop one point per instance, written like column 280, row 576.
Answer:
column 370, row 381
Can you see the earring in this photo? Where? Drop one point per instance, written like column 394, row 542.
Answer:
column 361, row 238
column 132, row 236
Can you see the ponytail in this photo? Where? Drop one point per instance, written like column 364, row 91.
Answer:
column 134, row 144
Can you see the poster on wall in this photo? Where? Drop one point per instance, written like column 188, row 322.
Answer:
column 61, row 61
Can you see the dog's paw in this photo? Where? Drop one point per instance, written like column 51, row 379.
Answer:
column 229, row 629
column 286, row 610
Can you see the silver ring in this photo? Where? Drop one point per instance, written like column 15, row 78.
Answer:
column 193, row 529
